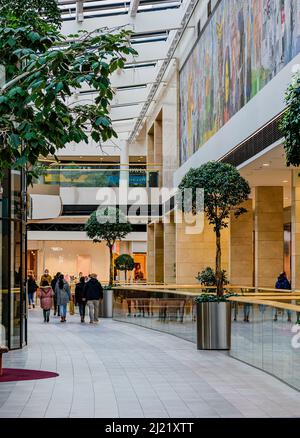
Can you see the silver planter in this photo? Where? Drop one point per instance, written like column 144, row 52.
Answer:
column 107, row 304
column 213, row 326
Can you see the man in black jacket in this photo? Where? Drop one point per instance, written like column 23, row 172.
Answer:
column 92, row 293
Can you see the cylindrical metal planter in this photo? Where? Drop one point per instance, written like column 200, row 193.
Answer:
column 213, row 326
column 107, row 303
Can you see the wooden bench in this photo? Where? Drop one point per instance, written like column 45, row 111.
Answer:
column 2, row 351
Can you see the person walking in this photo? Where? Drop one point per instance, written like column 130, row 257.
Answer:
column 63, row 296
column 46, row 294
column 79, row 297
column 31, row 289
column 53, row 284
column 283, row 283
column 46, row 276
column 92, row 293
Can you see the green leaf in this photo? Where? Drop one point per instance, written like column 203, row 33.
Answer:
column 102, row 121
column 14, row 140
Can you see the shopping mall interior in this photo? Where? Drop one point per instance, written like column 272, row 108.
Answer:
column 206, row 82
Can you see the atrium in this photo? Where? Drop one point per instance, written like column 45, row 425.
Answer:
column 150, row 200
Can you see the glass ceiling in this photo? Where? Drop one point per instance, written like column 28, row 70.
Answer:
column 100, row 8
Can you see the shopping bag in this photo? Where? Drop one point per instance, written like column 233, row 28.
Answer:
column 71, row 308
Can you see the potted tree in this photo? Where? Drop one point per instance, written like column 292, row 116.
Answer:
column 124, row 263
column 108, row 224
column 224, row 191
column 290, row 123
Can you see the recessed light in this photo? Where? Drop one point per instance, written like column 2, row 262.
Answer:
column 285, row 181
column 266, row 164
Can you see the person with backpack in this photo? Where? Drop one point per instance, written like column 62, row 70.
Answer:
column 63, row 296
column 283, row 283
column 46, row 294
column 92, row 293
column 79, row 297
column 53, row 284
column 31, row 289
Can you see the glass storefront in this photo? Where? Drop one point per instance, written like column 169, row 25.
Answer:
column 13, row 308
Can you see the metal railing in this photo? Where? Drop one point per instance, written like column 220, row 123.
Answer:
column 98, row 176
column 265, row 322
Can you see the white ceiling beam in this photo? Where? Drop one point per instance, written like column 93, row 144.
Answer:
column 125, row 112
column 149, row 22
column 133, row 8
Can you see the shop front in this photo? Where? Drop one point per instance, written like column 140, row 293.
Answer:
column 13, row 305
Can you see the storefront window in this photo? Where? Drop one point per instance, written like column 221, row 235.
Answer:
column 15, row 284
column 12, row 262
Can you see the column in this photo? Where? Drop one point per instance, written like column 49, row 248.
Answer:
column 241, row 247
column 295, row 230
column 150, row 254
column 170, row 250
column 158, row 147
column 269, row 226
column 195, row 252
column 159, row 252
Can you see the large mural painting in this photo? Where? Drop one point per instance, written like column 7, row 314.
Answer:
column 245, row 44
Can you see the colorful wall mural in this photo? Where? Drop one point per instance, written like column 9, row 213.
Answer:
column 245, row 44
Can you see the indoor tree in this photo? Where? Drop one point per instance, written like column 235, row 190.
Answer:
column 41, row 71
column 224, row 191
column 124, row 263
column 108, row 224
column 290, row 123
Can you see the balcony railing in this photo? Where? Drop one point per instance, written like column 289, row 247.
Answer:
column 98, row 176
column 265, row 322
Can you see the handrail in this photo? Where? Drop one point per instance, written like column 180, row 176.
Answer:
column 278, row 305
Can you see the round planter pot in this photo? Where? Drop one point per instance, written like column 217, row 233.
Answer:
column 213, row 326
column 107, row 303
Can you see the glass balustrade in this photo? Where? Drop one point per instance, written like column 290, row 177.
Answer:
column 266, row 337
column 263, row 335
column 166, row 312
column 98, row 177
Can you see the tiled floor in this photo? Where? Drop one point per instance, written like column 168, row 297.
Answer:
column 120, row 370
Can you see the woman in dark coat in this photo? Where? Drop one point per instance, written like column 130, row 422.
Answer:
column 79, row 297
column 31, row 289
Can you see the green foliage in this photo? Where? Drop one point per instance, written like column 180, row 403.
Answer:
column 224, row 189
column 209, row 298
column 43, row 69
column 107, row 224
column 208, row 277
column 29, row 10
column 290, row 123
column 124, row 262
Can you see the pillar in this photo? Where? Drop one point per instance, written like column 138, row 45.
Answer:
column 269, row 226
column 241, row 247
column 170, row 250
column 150, row 254
column 159, row 252
column 195, row 252
column 295, row 216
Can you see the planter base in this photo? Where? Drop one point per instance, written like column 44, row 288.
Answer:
column 213, row 326
column 107, row 304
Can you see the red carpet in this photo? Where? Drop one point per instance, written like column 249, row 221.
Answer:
column 15, row 375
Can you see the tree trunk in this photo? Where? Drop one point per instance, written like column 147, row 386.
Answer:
column 111, row 266
column 125, row 275
column 220, row 290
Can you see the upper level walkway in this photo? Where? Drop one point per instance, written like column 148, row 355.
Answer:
column 120, row 370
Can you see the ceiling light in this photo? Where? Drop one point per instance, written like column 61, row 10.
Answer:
column 266, row 164
column 285, row 181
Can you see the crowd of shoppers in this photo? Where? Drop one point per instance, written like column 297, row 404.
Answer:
column 56, row 293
